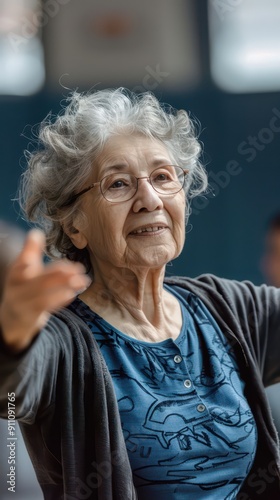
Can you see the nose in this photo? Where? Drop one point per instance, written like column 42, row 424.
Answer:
column 146, row 198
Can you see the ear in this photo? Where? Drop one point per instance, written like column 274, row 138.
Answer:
column 77, row 237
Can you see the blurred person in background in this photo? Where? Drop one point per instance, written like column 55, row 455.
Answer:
column 270, row 264
column 128, row 383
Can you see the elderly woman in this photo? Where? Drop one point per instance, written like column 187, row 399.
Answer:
column 129, row 384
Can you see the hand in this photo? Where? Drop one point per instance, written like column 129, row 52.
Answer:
column 33, row 290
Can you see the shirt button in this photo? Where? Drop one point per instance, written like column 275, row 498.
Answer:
column 187, row 383
column 177, row 358
column 201, row 408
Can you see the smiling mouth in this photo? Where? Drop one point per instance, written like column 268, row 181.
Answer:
column 148, row 229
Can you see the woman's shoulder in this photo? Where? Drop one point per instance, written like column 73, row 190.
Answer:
column 232, row 291
column 69, row 321
column 213, row 281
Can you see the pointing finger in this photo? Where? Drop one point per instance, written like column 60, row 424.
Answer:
column 30, row 258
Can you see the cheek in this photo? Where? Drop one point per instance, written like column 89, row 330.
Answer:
column 178, row 213
column 106, row 230
column 179, row 221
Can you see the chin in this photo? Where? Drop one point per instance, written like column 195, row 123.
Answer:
column 155, row 258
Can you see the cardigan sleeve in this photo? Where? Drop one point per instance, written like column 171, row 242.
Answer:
column 31, row 374
column 256, row 310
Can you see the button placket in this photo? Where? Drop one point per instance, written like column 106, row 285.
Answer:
column 177, row 358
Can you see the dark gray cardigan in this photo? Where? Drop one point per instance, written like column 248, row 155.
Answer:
column 68, row 412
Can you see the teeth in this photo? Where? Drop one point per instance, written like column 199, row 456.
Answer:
column 147, row 230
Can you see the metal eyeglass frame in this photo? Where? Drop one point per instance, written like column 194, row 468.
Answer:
column 148, row 177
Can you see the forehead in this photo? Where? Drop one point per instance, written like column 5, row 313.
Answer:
column 132, row 148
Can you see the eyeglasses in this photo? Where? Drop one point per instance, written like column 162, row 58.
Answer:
column 120, row 186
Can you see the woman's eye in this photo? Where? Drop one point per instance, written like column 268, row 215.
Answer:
column 162, row 177
column 118, row 184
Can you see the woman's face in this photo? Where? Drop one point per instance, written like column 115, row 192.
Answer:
column 112, row 233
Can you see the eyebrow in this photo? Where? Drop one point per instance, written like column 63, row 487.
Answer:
column 121, row 166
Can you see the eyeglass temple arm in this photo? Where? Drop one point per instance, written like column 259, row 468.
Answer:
column 76, row 196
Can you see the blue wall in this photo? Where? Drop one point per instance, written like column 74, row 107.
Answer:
column 225, row 233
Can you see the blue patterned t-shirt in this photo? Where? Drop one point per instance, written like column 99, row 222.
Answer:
column 188, row 428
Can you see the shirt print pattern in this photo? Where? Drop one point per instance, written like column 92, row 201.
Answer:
column 188, row 429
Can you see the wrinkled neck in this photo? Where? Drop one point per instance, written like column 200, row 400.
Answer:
column 138, row 292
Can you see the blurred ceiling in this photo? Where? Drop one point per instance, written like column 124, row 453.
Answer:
column 22, row 69
column 129, row 43
column 141, row 45
column 245, row 44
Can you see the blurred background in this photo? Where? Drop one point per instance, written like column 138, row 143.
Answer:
column 218, row 59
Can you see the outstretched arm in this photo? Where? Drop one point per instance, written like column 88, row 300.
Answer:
column 34, row 290
column 31, row 341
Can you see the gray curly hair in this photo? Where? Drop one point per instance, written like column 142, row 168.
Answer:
column 69, row 145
